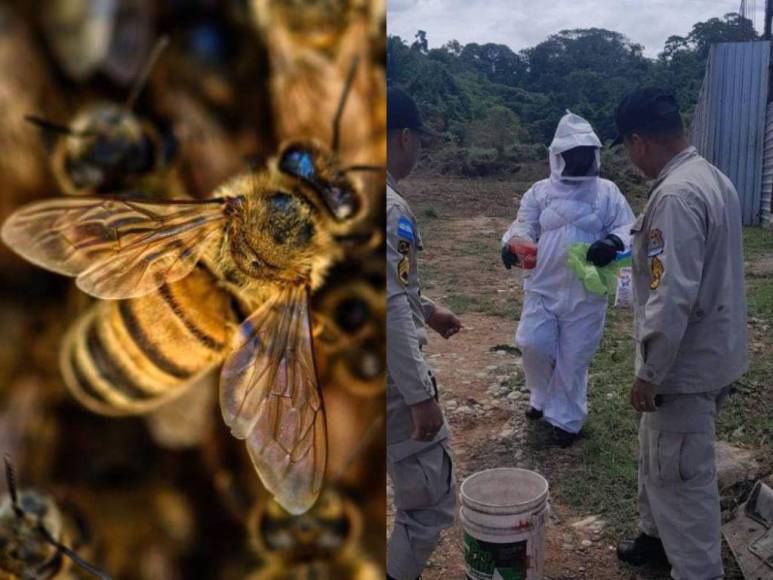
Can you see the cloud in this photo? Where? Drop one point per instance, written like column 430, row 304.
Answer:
column 524, row 23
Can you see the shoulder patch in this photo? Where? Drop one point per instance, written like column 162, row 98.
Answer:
column 405, row 229
column 656, row 244
column 404, row 270
column 656, row 272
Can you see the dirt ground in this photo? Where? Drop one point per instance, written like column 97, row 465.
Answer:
column 481, row 379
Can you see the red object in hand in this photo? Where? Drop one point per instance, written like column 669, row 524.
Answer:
column 526, row 252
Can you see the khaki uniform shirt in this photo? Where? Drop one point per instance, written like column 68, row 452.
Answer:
column 689, row 297
column 408, row 377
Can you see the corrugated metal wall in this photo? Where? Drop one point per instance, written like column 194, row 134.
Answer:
column 730, row 120
column 767, row 170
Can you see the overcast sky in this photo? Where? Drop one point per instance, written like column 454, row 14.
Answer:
column 524, row 23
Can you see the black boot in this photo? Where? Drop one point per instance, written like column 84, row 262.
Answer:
column 642, row 550
column 563, row 438
column 533, row 414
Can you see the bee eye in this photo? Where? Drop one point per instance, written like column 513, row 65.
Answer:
column 298, row 163
column 339, row 195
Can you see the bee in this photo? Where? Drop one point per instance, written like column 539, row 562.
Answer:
column 107, row 148
column 320, row 25
column 353, row 342
column 90, row 36
column 323, row 543
column 189, row 285
column 310, row 46
column 34, row 532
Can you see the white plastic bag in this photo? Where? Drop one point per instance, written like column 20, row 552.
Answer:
column 624, row 292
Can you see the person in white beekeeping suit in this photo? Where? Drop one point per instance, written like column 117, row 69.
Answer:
column 561, row 322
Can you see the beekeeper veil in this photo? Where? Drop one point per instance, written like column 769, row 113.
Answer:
column 575, row 150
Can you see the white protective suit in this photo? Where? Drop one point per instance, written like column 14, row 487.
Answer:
column 561, row 323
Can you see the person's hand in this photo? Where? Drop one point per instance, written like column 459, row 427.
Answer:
column 427, row 420
column 509, row 259
column 444, row 322
column 602, row 252
column 643, row 396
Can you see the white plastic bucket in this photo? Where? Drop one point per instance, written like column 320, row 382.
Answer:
column 504, row 512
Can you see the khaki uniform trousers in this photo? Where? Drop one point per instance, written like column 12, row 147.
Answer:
column 678, row 491
column 425, row 504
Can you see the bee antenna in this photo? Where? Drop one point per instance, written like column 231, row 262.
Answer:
column 373, row 168
column 90, row 568
column 365, row 439
column 47, row 125
column 342, row 103
column 10, row 477
column 142, row 79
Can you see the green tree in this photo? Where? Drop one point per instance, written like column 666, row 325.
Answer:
column 489, row 97
column 499, row 129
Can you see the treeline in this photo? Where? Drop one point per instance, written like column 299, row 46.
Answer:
column 500, row 106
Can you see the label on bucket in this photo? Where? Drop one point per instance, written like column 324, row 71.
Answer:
column 490, row 561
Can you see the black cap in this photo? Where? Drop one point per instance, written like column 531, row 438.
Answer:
column 647, row 111
column 402, row 113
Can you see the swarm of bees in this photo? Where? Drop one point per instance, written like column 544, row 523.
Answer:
column 267, row 289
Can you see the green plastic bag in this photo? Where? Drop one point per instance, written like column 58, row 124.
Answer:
column 596, row 280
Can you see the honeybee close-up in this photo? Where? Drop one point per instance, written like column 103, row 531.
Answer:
column 323, row 543
column 311, row 46
column 34, row 533
column 327, row 542
column 190, row 284
column 108, row 148
column 351, row 347
column 193, row 235
column 91, row 36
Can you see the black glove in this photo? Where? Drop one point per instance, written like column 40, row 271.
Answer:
column 602, row 252
column 508, row 258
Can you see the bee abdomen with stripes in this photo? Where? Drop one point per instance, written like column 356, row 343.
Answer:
column 129, row 356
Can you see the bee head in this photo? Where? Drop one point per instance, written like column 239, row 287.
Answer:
column 22, row 546
column 107, row 147
column 327, row 529
column 319, row 171
column 287, row 222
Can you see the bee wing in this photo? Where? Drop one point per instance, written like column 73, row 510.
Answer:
column 269, row 396
column 117, row 248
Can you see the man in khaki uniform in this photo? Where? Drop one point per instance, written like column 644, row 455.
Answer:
column 690, row 329
column 418, row 456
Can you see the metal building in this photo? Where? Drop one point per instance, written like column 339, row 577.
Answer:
column 731, row 122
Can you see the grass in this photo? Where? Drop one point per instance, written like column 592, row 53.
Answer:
column 748, row 417
column 604, row 479
column 757, row 242
column 761, row 298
